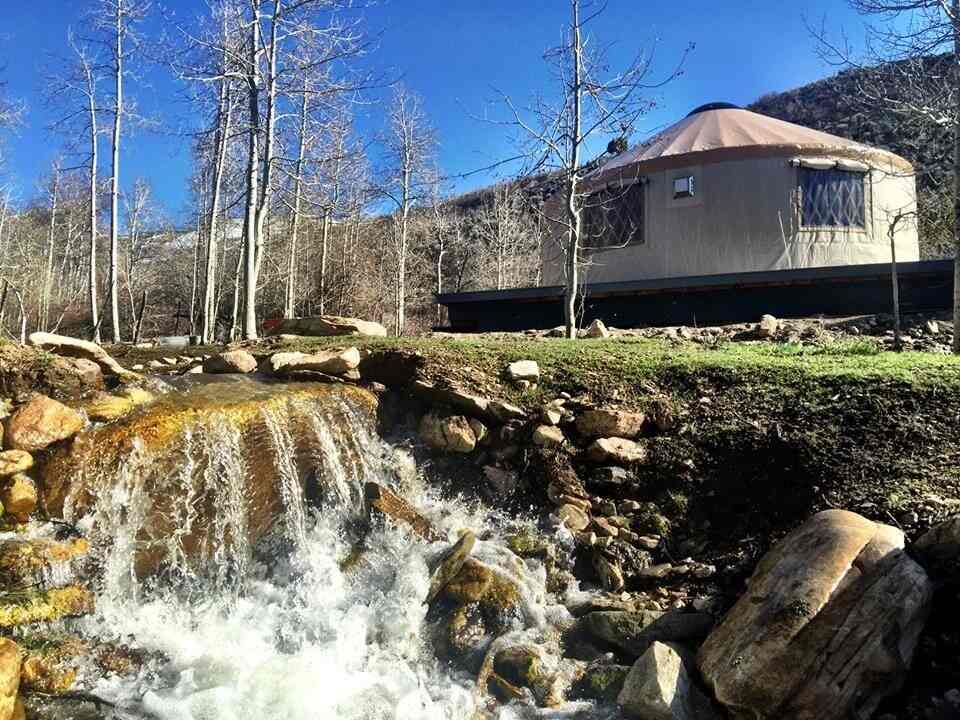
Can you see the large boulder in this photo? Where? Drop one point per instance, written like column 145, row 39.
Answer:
column 450, row 433
column 327, row 325
column 232, row 361
column 659, row 686
column 74, row 347
column 333, row 362
column 10, row 661
column 610, row 423
column 487, row 409
column 40, row 423
column 827, row 627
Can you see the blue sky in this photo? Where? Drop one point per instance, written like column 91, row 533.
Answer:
column 454, row 53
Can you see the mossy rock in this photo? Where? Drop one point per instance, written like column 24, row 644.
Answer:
column 32, row 606
column 520, row 665
column 22, row 562
column 600, row 681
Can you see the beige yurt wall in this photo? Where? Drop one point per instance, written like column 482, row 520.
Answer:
column 744, row 216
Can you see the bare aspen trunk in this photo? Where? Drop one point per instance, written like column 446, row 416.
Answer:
column 92, row 279
column 250, row 227
column 897, row 331
column 440, row 253
column 139, row 315
column 115, row 180
column 266, row 184
column 196, row 274
column 210, row 266
column 955, row 7
column 573, row 207
column 289, row 307
column 44, row 319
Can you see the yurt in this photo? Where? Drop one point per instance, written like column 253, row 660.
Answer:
column 726, row 190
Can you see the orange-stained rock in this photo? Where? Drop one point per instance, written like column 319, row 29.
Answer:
column 10, row 660
column 40, row 423
column 19, row 497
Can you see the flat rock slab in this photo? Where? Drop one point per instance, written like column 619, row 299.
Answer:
column 329, row 325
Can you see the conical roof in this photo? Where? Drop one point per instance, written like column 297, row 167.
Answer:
column 718, row 132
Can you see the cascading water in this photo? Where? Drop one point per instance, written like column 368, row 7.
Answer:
column 296, row 622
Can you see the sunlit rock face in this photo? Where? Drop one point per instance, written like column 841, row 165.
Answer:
column 212, row 468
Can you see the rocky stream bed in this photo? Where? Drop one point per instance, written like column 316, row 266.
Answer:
column 340, row 533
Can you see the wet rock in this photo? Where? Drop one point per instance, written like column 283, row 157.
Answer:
column 451, row 563
column 74, row 347
column 596, row 330
column 520, row 665
column 602, row 680
column 632, row 633
column 610, row 424
column 33, row 606
column 616, row 450
column 659, row 686
column 503, row 482
column 40, row 423
column 26, row 562
column 548, row 436
column 767, row 327
column 451, row 433
column 106, row 408
column 827, row 627
column 384, row 500
column 465, row 632
column 14, row 461
column 19, row 497
column 137, row 395
column 573, row 517
column 10, row 660
column 330, row 363
column 329, row 325
column 470, row 584
column 232, row 361
column 523, row 370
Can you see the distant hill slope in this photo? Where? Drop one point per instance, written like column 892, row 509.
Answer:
column 835, row 105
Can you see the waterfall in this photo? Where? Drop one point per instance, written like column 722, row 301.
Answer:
column 297, row 618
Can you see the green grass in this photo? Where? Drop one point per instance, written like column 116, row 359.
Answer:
column 629, row 361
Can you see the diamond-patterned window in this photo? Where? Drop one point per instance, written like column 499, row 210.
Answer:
column 614, row 217
column 832, row 198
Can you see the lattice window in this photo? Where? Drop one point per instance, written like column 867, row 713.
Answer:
column 614, row 218
column 832, row 198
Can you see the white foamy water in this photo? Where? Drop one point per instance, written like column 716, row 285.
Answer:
column 295, row 633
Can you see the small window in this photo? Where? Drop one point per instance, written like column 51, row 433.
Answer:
column 614, row 217
column 832, row 198
column 683, row 187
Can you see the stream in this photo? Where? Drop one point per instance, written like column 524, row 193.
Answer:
column 250, row 601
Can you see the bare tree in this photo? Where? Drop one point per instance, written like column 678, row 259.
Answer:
column 410, row 146
column 74, row 91
column 901, row 78
column 115, row 21
column 553, row 134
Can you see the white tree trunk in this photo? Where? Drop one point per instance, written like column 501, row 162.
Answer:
column 573, row 204
column 115, row 180
column 94, row 161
